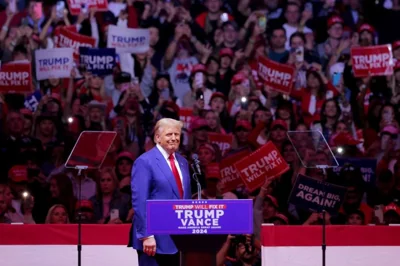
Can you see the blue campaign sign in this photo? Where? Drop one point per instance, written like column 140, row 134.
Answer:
column 32, row 100
column 98, row 61
column 366, row 165
column 185, row 217
column 315, row 195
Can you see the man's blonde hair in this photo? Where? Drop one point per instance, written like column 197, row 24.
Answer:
column 166, row 122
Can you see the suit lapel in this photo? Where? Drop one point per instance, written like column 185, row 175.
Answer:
column 166, row 170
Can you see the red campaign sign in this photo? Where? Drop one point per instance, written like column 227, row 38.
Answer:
column 372, row 60
column 75, row 6
column 16, row 78
column 69, row 39
column 264, row 162
column 279, row 77
column 224, row 141
column 230, row 178
column 185, row 115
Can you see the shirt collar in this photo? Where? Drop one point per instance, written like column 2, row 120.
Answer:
column 163, row 152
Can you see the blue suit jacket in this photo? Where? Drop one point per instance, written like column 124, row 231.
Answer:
column 152, row 178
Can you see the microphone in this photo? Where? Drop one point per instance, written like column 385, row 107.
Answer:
column 196, row 166
column 196, row 162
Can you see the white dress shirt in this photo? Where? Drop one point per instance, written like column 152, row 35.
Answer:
column 166, row 156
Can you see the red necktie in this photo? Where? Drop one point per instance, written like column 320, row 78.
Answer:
column 176, row 174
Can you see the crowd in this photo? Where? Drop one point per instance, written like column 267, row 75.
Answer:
column 203, row 57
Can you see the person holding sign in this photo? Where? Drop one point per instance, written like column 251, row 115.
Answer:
column 160, row 174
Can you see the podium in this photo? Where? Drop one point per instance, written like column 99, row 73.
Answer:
column 199, row 227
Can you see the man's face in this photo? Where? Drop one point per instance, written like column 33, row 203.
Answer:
column 217, row 104
column 278, row 134
column 230, row 34
column 46, row 128
column 169, row 138
column 336, row 31
column 297, row 42
column 154, row 36
column 278, row 39
column 213, row 6
column 95, row 115
column 355, row 219
column 242, row 134
column 366, row 38
column 292, row 14
column 396, row 54
column 16, row 123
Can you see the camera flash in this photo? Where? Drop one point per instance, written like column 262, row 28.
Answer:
column 243, row 99
column 25, row 194
column 70, row 119
column 340, row 150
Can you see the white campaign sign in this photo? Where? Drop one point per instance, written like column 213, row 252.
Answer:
column 53, row 63
column 126, row 40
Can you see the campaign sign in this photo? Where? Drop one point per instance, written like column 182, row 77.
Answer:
column 186, row 217
column 278, row 76
column 230, row 178
column 32, row 101
column 185, row 115
column 315, row 195
column 98, row 61
column 15, row 78
column 69, row 39
column 264, row 162
column 224, row 141
column 366, row 165
column 372, row 60
column 126, row 40
column 75, row 6
column 53, row 63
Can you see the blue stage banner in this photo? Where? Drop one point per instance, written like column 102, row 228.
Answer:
column 185, row 217
column 315, row 195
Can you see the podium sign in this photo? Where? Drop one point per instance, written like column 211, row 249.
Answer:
column 186, row 217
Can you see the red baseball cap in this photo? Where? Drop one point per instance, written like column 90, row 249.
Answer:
column 87, row 204
column 238, row 78
column 218, row 95
column 366, row 27
column 273, row 200
column 343, row 139
column 26, row 112
column 391, row 207
column 390, row 129
column 279, row 122
column 335, row 20
column 243, row 124
column 396, row 45
column 197, row 123
column 226, row 52
column 199, row 68
column 207, row 146
column 126, row 155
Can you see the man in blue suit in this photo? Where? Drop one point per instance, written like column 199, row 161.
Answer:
column 159, row 174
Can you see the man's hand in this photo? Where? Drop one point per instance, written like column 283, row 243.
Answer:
column 149, row 246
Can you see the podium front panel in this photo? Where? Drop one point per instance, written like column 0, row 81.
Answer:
column 193, row 217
